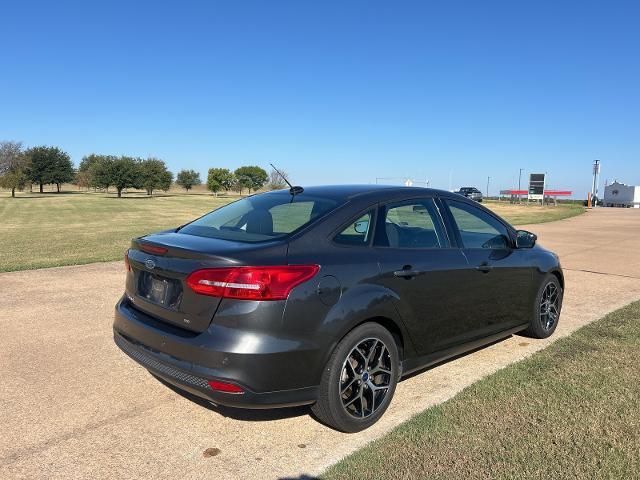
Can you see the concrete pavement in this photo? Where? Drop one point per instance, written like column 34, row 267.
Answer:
column 74, row 406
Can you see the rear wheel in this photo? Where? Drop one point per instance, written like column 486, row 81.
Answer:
column 548, row 305
column 359, row 380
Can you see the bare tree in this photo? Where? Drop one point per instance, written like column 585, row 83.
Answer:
column 276, row 182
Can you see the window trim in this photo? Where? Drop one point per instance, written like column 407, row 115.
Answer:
column 456, row 231
column 382, row 209
column 374, row 216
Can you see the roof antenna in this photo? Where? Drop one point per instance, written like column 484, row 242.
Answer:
column 292, row 190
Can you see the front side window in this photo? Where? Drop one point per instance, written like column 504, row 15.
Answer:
column 358, row 232
column 477, row 228
column 413, row 224
column 261, row 217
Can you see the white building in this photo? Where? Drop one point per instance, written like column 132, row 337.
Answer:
column 621, row 195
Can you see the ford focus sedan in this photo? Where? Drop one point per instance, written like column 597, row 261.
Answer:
column 327, row 296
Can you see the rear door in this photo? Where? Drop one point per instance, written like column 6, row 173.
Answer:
column 419, row 263
column 499, row 285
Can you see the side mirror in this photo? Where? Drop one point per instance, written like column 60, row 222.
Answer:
column 361, row 226
column 525, row 239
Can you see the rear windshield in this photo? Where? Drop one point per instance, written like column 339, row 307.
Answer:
column 261, row 217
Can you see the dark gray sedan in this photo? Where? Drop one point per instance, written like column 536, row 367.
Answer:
column 329, row 295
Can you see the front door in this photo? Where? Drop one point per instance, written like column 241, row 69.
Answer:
column 499, row 282
column 418, row 263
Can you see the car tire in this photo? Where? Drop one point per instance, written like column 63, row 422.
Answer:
column 546, row 309
column 355, row 389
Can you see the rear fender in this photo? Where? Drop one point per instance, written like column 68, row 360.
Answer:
column 361, row 304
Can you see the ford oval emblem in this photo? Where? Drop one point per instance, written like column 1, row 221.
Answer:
column 150, row 264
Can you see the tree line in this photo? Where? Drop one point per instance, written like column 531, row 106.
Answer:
column 105, row 171
column 43, row 165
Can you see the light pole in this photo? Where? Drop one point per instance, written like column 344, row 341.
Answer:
column 488, row 179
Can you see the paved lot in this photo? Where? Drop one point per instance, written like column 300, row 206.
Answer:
column 73, row 406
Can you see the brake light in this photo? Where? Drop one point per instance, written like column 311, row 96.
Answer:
column 224, row 387
column 250, row 283
column 153, row 249
column 126, row 261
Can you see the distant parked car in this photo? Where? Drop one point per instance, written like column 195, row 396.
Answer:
column 328, row 295
column 472, row 193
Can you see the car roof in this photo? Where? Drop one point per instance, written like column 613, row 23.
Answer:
column 347, row 192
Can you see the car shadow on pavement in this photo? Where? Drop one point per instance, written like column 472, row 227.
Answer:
column 247, row 414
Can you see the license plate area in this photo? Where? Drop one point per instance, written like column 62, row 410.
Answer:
column 163, row 291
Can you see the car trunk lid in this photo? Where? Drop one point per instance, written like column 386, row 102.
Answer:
column 160, row 264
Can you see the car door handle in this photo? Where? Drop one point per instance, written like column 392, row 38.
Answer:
column 484, row 268
column 406, row 272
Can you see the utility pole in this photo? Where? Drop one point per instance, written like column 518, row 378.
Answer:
column 488, row 179
column 594, row 188
column 519, row 184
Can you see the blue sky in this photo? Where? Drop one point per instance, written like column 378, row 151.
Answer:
column 333, row 92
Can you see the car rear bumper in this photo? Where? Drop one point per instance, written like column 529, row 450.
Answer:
column 188, row 361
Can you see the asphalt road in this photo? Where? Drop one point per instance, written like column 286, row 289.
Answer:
column 74, row 406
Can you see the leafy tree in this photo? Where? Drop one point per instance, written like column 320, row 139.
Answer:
column 84, row 175
column 154, row 175
column 62, row 170
column 188, row 178
column 13, row 166
column 125, row 173
column 99, row 170
column 15, row 179
column 251, row 177
column 49, row 165
column 276, row 182
column 227, row 179
column 218, row 179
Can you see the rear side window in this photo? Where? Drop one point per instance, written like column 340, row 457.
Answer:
column 477, row 228
column 261, row 217
column 414, row 224
column 358, row 232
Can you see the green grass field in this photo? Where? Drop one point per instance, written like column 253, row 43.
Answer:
column 569, row 411
column 76, row 228
column 46, row 230
column 527, row 214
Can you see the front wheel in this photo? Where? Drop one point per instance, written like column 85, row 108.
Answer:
column 359, row 380
column 546, row 311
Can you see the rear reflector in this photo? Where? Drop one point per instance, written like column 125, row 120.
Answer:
column 153, row 249
column 250, row 283
column 126, row 261
column 224, row 387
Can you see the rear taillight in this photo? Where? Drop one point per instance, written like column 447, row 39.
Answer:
column 224, row 387
column 126, row 261
column 153, row 249
column 250, row 283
